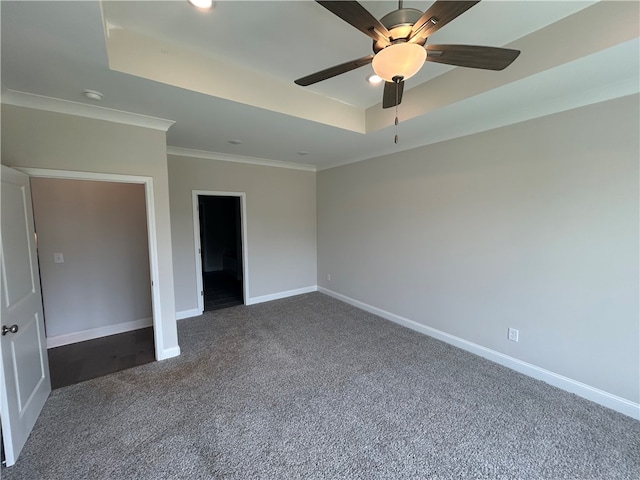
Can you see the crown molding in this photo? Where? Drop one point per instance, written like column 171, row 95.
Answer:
column 50, row 104
column 226, row 157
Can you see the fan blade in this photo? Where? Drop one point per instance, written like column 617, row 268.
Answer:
column 472, row 56
column 356, row 15
column 436, row 17
column 334, row 71
column 389, row 98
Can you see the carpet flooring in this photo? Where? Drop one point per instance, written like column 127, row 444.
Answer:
column 311, row 388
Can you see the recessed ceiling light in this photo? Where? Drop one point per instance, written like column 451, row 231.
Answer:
column 235, row 142
column 92, row 95
column 202, row 4
column 374, row 79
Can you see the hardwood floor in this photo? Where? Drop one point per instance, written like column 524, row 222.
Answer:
column 82, row 361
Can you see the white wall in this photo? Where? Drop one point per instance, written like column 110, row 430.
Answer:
column 532, row 226
column 101, row 229
column 47, row 140
column 281, row 224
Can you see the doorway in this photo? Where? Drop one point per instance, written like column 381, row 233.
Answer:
column 152, row 239
column 220, row 249
column 94, row 268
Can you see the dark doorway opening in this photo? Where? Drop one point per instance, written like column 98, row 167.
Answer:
column 221, row 251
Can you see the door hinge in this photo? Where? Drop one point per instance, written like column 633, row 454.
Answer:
column 202, row 293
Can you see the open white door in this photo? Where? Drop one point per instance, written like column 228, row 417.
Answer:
column 24, row 383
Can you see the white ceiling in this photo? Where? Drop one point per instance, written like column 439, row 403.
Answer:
column 58, row 49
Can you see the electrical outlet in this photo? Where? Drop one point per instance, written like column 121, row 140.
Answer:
column 513, row 334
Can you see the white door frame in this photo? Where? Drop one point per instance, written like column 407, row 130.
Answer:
column 151, row 231
column 196, row 237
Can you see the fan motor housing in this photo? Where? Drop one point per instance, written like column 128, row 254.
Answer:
column 399, row 23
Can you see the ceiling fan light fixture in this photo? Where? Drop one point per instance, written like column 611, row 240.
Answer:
column 399, row 60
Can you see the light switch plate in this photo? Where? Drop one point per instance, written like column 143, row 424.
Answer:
column 58, row 258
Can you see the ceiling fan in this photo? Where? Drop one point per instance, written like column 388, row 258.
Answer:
column 400, row 44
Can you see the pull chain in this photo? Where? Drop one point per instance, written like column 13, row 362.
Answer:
column 397, row 81
column 395, row 139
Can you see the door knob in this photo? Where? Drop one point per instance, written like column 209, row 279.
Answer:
column 11, row 329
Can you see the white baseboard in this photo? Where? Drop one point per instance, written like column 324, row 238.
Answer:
column 66, row 339
column 279, row 295
column 194, row 312
column 168, row 353
column 596, row 395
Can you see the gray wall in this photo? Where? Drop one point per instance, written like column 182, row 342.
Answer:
column 48, row 140
column 101, row 229
column 281, row 223
column 532, row 226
